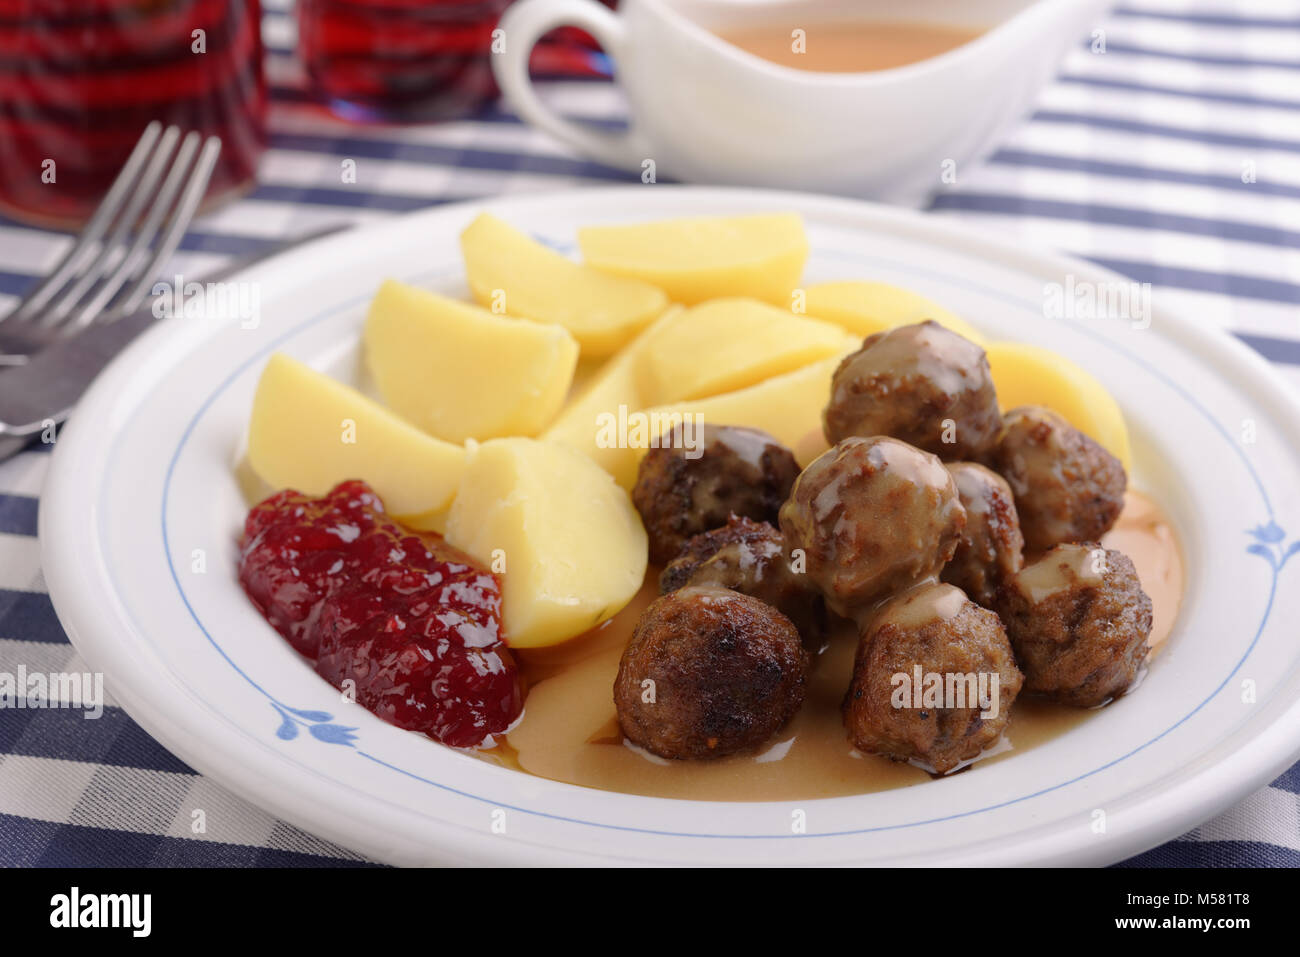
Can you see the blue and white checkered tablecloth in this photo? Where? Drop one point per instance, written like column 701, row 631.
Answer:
column 1133, row 158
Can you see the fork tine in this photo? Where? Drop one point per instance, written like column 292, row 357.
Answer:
column 145, row 188
column 94, row 227
column 144, row 236
column 180, row 221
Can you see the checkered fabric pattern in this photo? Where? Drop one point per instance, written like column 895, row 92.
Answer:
column 1132, row 158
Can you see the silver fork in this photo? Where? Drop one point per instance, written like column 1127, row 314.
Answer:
column 109, row 269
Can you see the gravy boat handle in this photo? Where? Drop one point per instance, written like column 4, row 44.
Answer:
column 521, row 27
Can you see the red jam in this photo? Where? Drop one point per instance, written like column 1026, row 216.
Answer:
column 413, row 623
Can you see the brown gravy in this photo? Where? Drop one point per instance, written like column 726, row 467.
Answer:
column 569, row 731
column 852, row 46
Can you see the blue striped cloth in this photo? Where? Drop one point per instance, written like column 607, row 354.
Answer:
column 1172, row 157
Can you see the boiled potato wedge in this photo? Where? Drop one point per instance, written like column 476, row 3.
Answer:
column 459, row 372
column 1025, row 374
column 434, row 521
column 728, row 344
column 618, row 382
column 570, row 547
column 308, row 432
column 865, row 308
column 697, row 259
column 788, row 406
column 510, row 271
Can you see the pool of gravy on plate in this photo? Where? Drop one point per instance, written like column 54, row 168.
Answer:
column 569, row 731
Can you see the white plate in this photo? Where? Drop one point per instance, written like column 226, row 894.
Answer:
column 142, row 483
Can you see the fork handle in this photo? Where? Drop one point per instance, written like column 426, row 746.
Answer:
column 43, row 390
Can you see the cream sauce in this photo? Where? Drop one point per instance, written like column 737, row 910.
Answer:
column 850, row 46
column 570, row 732
column 928, row 601
column 1146, row 536
column 1067, row 565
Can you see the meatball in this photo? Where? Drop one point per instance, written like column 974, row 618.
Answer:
column 709, row 672
column 871, row 517
column 690, row 487
column 1067, row 487
column 749, row 557
column 923, row 384
column 1078, row 620
column 933, row 680
column 989, row 552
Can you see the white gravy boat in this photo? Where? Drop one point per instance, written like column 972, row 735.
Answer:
column 706, row 111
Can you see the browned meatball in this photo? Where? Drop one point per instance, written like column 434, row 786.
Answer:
column 1067, row 487
column 709, row 672
column 689, row 487
column 1078, row 620
column 870, row 517
column 921, row 383
column 749, row 557
column 990, row 549
column 896, row 708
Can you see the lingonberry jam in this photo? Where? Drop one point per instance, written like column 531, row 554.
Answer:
column 414, row 623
